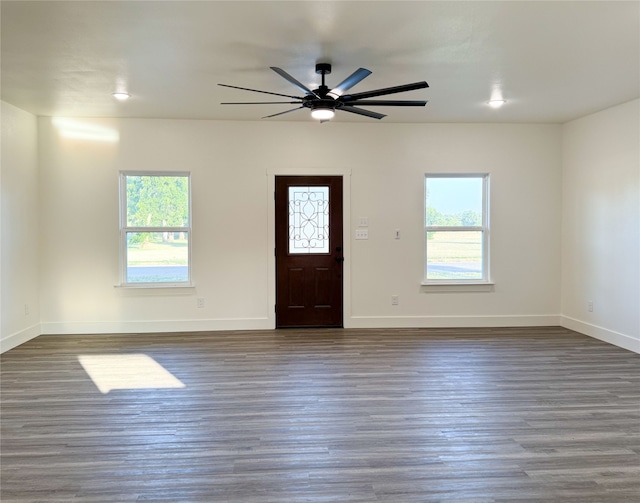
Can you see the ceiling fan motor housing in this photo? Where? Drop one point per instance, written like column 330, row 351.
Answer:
column 314, row 103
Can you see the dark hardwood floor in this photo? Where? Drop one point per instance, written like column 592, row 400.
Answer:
column 402, row 415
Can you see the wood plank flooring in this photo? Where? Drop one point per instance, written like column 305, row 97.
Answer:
column 402, row 415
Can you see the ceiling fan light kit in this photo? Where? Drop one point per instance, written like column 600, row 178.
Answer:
column 324, row 102
column 322, row 113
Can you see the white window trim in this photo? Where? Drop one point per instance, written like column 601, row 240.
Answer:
column 122, row 189
column 460, row 285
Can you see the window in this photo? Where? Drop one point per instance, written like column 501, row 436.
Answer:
column 308, row 220
column 456, row 228
column 155, row 229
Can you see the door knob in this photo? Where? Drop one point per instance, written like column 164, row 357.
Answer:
column 339, row 259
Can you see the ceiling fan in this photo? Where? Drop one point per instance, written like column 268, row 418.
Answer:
column 324, row 102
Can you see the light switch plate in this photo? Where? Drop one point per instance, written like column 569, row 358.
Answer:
column 362, row 233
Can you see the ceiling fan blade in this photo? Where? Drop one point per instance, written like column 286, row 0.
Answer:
column 360, row 111
column 281, row 113
column 350, row 81
column 379, row 92
column 262, row 103
column 388, row 103
column 293, row 81
column 258, row 91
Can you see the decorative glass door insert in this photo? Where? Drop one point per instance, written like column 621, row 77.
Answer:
column 308, row 220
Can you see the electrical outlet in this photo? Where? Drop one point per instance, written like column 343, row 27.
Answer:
column 200, row 303
column 590, row 306
column 394, row 300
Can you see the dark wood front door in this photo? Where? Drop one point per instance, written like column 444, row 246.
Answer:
column 309, row 251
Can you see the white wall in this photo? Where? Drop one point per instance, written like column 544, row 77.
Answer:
column 233, row 164
column 19, row 288
column 601, row 225
column 59, row 197
column 388, row 188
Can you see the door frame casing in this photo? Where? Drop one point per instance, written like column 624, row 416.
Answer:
column 346, row 233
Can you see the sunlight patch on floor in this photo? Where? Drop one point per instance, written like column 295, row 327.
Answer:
column 128, row 371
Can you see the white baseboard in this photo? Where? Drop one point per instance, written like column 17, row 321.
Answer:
column 452, row 321
column 138, row 327
column 601, row 333
column 128, row 327
column 20, row 337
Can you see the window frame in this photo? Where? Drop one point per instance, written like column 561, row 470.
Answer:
column 124, row 229
column 484, row 228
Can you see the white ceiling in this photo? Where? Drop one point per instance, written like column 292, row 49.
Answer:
column 552, row 61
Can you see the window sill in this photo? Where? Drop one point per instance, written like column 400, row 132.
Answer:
column 152, row 286
column 456, row 287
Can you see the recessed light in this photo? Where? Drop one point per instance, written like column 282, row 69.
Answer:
column 121, row 96
column 496, row 103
